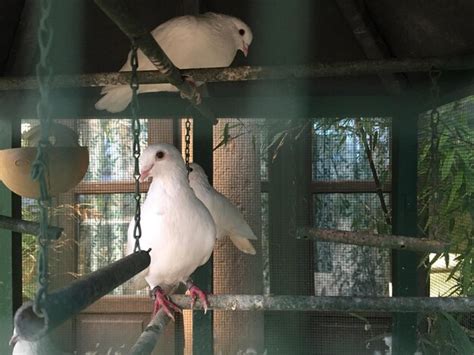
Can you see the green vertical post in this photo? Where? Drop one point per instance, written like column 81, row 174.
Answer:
column 291, row 265
column 404, row 263
column 203, row 342
column 10, row 245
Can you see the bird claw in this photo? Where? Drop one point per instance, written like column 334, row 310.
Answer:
column 163, row 302
column 196, row 95
column 194, row 292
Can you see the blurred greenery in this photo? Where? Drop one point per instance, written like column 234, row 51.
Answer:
column 446, row 207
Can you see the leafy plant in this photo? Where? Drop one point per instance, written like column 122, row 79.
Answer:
column 446, row 205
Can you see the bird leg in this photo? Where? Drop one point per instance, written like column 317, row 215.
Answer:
column 194, row 292
column 13, row 340
column 162, row 301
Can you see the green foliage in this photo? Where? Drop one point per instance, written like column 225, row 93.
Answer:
column 446, row 192
column 446, row 205
column 447, row 336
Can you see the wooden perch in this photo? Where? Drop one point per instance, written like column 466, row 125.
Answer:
column 250, row 73
column 336, row 303
column 146, row 342
column 21, row 226
column 373, row 240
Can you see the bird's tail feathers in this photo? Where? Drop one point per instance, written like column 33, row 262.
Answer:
column 116, row 98
column 243, row 244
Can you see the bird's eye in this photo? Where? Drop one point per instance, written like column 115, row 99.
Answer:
column 190, row 170
column 241, row 31
column 160, row 155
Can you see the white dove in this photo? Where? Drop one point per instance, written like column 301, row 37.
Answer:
column 175, row 224
column 209, row 40
column 229, row 221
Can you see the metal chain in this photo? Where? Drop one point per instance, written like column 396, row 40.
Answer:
column 137, row 229
column 39, row 168
column 187, row 140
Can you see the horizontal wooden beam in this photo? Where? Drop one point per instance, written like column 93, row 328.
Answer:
column 252, row 73
column 21, row 226
column 85, row 188
column 349, row 186
column 373, row 240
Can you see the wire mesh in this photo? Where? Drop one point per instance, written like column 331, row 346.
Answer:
column 341, row 195
column 445, row 199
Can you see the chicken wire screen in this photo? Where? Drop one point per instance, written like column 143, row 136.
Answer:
column 97, row 213
column 342, row 196
column 445, row 200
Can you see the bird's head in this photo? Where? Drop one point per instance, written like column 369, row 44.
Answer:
column 243, row 35
column 197, row 174
column 160, row 159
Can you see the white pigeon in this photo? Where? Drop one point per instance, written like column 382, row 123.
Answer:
column 229, row 221
column 43, row 346
column 209, row 40
column 175, row 224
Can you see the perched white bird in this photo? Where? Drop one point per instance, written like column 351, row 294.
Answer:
column 209, row 40
column 229, row 221
column 175, row 224
column 43, row 346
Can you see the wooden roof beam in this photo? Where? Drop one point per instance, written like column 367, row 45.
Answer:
column 371, row 42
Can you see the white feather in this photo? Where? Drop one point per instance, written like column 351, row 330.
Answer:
column 229, row 221
column 175, row 224
column 203, row 41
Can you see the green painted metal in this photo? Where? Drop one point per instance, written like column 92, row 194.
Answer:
column 290, row 259
column 10, row 246
column 81, row 105
column 405, row 264
column 203, row 339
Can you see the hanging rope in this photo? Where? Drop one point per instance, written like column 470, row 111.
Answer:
column 39, row 167
column 137, row 230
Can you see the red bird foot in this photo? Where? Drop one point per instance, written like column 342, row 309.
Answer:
column 162, row 301
column 195, row 292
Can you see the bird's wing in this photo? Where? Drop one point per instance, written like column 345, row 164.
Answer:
column 231, row 218
column 196, row 42
column 189, row 42
column 230, row 222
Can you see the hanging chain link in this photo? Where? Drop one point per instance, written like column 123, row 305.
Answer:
column 187, row 141
column 137, row 229
column 39, row 168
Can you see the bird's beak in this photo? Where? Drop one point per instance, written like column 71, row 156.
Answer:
column 144, row 173
column 245, row 49
column 13, row 340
